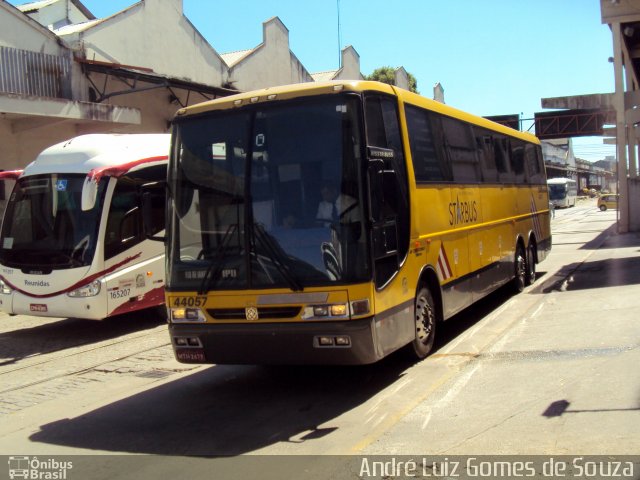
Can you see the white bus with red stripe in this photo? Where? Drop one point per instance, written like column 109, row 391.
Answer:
column 72, row 242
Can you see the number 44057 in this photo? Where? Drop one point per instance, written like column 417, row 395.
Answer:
column 189, row 301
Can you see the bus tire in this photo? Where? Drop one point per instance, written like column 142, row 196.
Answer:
column 530, row 276
column 425, row 325
column 520, row 269
column 603, row 208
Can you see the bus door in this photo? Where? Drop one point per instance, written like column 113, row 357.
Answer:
column 139, row 283
column 389, row 201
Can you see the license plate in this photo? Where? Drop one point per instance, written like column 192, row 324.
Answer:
column 190, row 355
column 37, row 307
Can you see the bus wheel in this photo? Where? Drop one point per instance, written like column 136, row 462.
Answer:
column 520, row 267
column 603, row 208
column 425, row 322
column 531, row 264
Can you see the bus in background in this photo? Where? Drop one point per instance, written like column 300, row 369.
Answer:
column 563, row 192
column 72, row 242
column 334, row 223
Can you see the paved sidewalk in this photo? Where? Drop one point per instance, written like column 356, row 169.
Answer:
column 564, row 379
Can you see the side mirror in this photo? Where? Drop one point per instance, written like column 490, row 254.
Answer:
column 89, row 194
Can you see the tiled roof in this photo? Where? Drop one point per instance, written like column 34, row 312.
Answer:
column 232, row 58
column 325, row 76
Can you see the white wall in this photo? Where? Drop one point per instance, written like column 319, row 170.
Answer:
column 62, row 12
column 19, row 31
column 271, row 63
column 154, row 34
column 350, row 69
column 22, row 139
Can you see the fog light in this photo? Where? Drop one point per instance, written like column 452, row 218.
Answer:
column 325, row 341
column 343, row 341
column 181, row 341
column 193, row 341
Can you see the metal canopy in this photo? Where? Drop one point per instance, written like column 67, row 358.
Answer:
column 139, row 79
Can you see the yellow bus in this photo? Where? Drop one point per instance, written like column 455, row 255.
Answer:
column 335, row 223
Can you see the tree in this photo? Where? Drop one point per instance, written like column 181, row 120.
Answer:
column 387, row 75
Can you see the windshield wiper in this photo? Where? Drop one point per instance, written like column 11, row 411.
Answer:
column 278, row 257
column 216, row 263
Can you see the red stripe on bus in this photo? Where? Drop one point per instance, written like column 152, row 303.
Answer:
column 81, row 283
column 445, row 260
column 117, row 171
column 152, row 298
column 10, row 174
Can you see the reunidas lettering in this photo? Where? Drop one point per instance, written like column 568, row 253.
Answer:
column 463, row 212
column 36, row 283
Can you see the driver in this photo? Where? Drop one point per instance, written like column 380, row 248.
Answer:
column 337, row 208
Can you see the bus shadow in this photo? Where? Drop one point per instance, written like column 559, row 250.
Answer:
column 226, row 410
column 72, row 332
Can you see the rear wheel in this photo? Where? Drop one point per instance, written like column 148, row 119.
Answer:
column 520, row 269
column 603, row 208
column 531, row 264
column 425, row 325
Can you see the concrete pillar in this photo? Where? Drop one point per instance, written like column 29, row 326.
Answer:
column 631, row 134
column 621, row 140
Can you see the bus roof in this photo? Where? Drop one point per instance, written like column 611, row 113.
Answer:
column 92, row 152
column 286, row 92
column 559, row 180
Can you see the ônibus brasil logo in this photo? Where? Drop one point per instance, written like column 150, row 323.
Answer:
column 33, row 468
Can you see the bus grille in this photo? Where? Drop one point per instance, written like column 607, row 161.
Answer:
column 263, row 312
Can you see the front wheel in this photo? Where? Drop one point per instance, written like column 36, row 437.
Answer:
column 603, row 208
column 425, row 325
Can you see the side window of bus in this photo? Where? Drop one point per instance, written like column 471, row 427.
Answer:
column 124, row 223
column 486, row 150
column 461, row 147
column 533, row 162
column 517, row 160
column 426, row 152
column 502, row 152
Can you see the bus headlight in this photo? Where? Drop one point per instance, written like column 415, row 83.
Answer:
column 90, row 290
column 186, row 315
column 4, row 288
column 338, row 310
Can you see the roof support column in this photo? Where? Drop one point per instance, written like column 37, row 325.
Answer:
column 621, row 131
column 631, row 127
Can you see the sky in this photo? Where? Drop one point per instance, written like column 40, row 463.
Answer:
column 493, row 57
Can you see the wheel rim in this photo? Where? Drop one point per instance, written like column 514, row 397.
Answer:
column 424, row 320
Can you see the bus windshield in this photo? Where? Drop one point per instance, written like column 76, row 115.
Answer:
column 269, row 196
column 45, row 226
column 557, row 191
